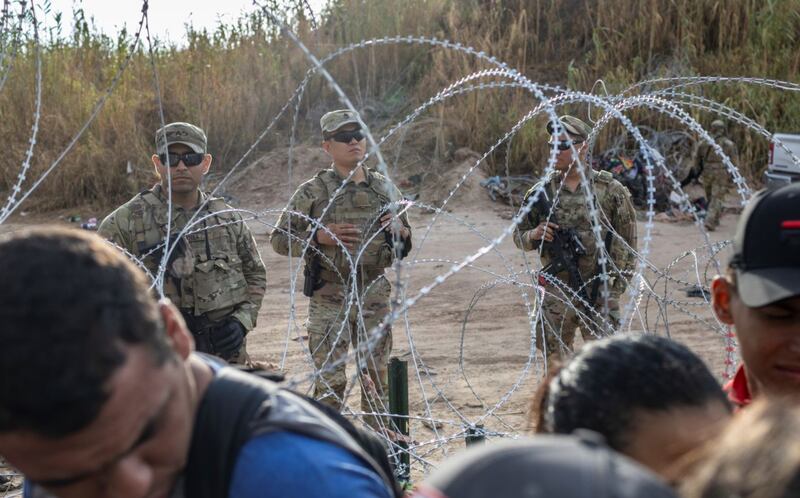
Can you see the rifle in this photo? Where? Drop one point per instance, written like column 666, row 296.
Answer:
column 564, row 251
column 156, row 251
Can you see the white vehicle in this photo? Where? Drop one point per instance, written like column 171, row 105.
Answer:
column 783, row 168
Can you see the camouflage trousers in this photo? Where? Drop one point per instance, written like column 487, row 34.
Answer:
column 333, row 325
column 560, row 320
column 717, row 184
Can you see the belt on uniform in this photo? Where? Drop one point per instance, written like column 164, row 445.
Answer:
column 364, row 275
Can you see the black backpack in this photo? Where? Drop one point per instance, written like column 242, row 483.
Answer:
column 239, row 406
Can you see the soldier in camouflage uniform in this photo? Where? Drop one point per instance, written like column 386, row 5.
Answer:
column 715, row 176
column 350, row 292
column 214, row 275
column 562, row 312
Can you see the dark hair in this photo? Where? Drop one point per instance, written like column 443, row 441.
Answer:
column 69, row 302
column 604, row 385
column 756, row 457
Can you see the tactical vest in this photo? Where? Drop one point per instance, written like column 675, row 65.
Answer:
column 361, row 205
column 712, row 162
column 571, row 211
column 207, row 274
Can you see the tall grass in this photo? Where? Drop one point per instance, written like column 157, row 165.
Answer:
column 232, row 81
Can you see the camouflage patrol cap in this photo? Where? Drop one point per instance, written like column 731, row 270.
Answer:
column 181, row 133
column 334, row 120
column 574, row 126
column 718, row 123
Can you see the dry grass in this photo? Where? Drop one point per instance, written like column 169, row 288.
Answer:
column 234, row 80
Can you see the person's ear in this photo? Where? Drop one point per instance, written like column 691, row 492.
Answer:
column 206, row 164
column 326, row 146
column 721, row 295
column 178, row 334
column 157, row 164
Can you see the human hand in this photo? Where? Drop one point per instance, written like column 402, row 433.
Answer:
column 393, row 223
column 227, row 339
column 348, row 234
column 545, row 231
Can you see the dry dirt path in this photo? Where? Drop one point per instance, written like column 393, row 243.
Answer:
column 497, row 335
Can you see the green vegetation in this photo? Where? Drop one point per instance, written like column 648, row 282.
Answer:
column 234, row 80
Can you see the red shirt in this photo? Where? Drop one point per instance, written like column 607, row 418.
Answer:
column 738, row 390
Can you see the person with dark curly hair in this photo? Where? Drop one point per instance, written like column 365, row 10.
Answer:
column 651, row 398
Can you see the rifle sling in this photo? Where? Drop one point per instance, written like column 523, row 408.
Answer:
column 596, row 284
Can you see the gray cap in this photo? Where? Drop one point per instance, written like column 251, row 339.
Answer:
column 544, row 467
column 181, row 133
column 572, row 125
column 334, row 120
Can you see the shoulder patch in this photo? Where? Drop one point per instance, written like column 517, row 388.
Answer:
column 325, row 173
column 604, row 176
column 533, row 189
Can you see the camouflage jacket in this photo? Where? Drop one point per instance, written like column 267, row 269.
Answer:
column 218, row 271
column 571, row 211
column 711, row 163
column 360, row 204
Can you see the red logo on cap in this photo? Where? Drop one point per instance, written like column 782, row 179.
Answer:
column 791, row 225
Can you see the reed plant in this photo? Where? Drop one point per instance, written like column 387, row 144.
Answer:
column 234, row 79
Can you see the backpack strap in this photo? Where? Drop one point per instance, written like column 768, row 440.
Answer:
column 238, row 407
column 221, row 428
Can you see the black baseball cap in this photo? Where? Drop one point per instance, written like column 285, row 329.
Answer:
column 545, row 466
column 767, row 247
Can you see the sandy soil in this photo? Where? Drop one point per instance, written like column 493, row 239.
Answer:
column 496, row 332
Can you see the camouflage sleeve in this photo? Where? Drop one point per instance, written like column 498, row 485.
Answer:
column 255, row 273
column 524, row 229
column 404, row 215
column 301, row 202
column 623, row 220
column 730, row 150
column 116, row 229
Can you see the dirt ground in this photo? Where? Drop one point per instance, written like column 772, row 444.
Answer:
column 490, row 318
column 497, row 382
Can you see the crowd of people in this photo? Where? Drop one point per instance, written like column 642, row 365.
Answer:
column 112, row 390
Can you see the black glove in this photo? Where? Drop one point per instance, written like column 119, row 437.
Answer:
column 227, row 339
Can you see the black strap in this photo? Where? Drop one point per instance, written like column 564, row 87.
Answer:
column 222, row 426
column 238, row 406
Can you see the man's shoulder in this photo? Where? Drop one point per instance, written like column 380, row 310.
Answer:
column 292, row 465
column 220, row 207
column 318, row 185
column 542, row 185
column 382, row 183
column 610, row 186
column 604, row 177
column 137, row 204
column 728, row 145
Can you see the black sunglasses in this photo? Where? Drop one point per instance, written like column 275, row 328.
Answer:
column 192, row 159
column 566, row 144
column 346, row 137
